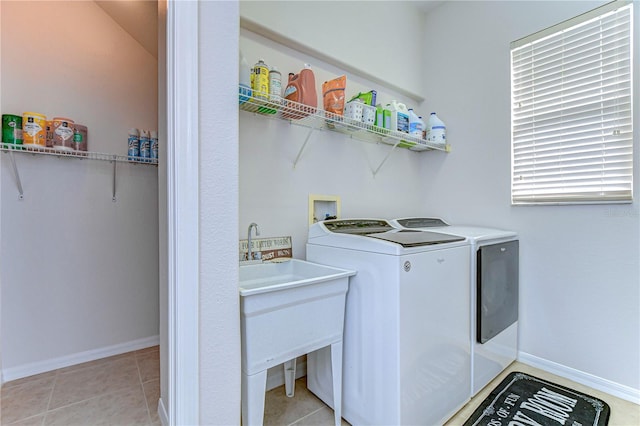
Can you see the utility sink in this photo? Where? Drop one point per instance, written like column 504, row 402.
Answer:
column 256, row 278
column 287, row 310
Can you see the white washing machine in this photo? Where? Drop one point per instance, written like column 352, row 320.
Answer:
column 406, row 346
column 494, row 294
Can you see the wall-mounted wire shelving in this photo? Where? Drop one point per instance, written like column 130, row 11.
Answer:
column 318, row 119
column 13, row 150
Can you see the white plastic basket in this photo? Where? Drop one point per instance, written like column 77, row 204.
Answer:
column 359, row 112
column 368, row 114
column 353, row 110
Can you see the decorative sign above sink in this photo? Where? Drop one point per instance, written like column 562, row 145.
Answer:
column 267, row 249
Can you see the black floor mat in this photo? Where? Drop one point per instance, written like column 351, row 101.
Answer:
column 521, row 399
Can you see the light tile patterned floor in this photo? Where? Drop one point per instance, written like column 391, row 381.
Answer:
column 304, row 409
column 623, row 413
column 119, row 390
column 124, row 390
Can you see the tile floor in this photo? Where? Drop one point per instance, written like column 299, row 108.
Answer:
column 304, row 409
column 123, row 390
column 119, row 390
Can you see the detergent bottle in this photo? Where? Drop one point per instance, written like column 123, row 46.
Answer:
column 301, row 90
column 379, row 116
column 436, row 130
column 275, row 85
column 415, row 128
column 386, row 117
column 399, row 117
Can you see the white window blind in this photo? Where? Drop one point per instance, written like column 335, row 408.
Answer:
column 571, row 114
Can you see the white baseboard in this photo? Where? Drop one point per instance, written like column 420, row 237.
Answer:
column 38, row 367
column 275, row 375
column 612, row 388
column 162, row 413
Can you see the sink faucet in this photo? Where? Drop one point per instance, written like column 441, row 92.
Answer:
column 249, row 251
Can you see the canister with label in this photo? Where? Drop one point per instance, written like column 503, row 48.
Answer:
column 154, row 145
column 145, row 146
column 34, row 127
column 134, row 144
column 62, row 133
column 80, row 138
column 12, row 129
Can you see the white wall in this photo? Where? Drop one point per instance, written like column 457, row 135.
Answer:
column 219, row 309
column 274, row 194
column 219, row 334
column 162, row 204
column 580, row 273
column 83, row 273
column 580, row 295
column 580, row 299
column 362, row 35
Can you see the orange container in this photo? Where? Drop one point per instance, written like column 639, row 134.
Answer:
column 34, row 130
column 301, row 89
column 62, row 129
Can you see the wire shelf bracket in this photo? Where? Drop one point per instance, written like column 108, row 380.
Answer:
column 306, row 140
column 16, row 174
column 113, row 192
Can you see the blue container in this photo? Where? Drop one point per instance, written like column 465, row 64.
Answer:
column 145, row 146
column 154, row 145
column 134, row 145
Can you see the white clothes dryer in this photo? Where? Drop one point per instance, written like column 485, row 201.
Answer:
column 406, row 346
column 494, row 282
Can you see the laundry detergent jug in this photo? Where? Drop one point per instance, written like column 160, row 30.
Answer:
column 301, row 98
column 399, row 117
column 436, row 130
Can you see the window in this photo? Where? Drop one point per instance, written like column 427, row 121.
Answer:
column 571, row 111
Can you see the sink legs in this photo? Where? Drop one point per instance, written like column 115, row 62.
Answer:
column 290, row 377
column 253, row 389
column 336, row 375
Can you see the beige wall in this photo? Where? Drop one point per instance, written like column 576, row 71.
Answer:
column 84, row 269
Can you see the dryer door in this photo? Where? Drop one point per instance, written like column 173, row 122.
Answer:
column 497, row 289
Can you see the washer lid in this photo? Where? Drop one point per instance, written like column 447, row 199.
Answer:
column 421, row 222
column 357, row 226
column 410, row 238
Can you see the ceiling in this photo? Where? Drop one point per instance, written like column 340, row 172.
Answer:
column 139, row 18
column 428, row 5
column 136, row 17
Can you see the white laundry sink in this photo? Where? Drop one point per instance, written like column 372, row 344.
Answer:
column 267, row 277
column 289, row 309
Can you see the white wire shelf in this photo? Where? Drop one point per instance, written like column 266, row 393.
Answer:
column 85, row 155
column 12, row 149
column 315, row 118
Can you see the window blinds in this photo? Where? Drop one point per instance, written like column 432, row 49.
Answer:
column 571, row 114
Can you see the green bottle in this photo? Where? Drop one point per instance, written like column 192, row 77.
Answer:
column 379, row 116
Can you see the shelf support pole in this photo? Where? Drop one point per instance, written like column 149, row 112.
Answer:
column 113, row 197
column 375, row 172
column 302, row 147
column 17, row 175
